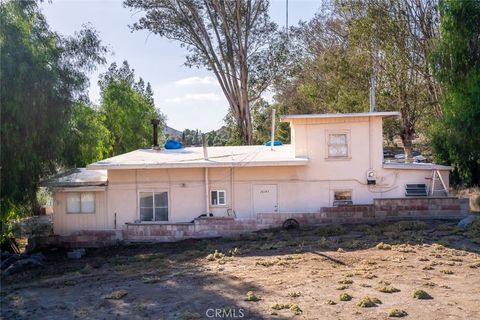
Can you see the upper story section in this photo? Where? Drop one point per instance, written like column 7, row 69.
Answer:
column 351, row 140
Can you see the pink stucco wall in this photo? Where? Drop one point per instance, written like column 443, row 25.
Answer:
column 300, row 189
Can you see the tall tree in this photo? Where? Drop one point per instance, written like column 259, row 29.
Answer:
column 128, row 107
column 88, row 139
column 42, row 76
column 351, row 41
column 456, row 61
column 234, row 39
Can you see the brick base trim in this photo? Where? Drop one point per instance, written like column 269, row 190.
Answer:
column 207, row 227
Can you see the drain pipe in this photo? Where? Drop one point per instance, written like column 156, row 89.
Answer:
column 205, row 156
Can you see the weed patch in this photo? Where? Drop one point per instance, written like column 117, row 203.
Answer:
column 250, row 296
column 345, row 297
column 116, row 295
column 368, row 302
column 421, row 294
column 397, row 313
column 388, row 289
column 383, row 246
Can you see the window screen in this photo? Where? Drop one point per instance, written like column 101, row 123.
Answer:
column 80, row 202
column 338, row 145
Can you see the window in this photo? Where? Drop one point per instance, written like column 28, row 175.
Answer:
column 337, row 145
column 153, row 206
column 80, row 202
column 343, row 197
column 218, row 198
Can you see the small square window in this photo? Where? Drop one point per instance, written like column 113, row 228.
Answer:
column 217, row 198
column 342, row 197
column 337, row 145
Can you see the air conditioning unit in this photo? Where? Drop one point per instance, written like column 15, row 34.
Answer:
column 371, row 177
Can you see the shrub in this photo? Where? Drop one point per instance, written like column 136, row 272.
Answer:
column 342, row 287
column 421, row 294
column 330, row 302
column 397, row 313
column 345, row 281
column 294, row 294
column 388, row 289
column 250, row 296
column 215, row 256
column 345, row 297
column 368, row 302
column 383, row 246
column 444, row 271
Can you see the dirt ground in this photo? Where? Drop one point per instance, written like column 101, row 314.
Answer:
column 273, row 274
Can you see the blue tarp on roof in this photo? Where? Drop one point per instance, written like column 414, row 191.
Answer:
column 172, row 144
column 275, row 143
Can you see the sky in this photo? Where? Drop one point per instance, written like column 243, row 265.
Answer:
column 189, row 97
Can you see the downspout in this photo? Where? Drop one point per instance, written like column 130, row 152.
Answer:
column 205, row 156
column 207, row 207
column 231, row 190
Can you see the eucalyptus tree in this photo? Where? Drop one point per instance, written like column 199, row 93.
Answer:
column 43, row 74
column 127, row 106
column 235, row 39
column 456, row 62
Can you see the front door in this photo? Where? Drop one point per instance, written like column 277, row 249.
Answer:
column 265, row 198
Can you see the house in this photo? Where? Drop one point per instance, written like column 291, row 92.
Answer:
column 333, row 171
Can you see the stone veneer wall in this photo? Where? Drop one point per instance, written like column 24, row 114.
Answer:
column 380, row 210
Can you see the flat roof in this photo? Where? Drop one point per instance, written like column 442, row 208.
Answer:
column 192, row 157
column 414, row 166
column 340, row 115
column 79, row 177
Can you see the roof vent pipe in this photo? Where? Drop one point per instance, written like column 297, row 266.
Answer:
column 205, row 151
column 155, row 123
column 273, row 129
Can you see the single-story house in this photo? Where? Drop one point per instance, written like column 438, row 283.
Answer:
column 334, row 167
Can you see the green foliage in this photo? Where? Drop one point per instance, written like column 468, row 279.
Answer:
column 128, row 107
column 42, row 76
column 456, row 61
column 262, row 123
column 88, row 139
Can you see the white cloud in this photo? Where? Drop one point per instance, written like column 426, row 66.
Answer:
column 195, row 97
column 197, row 80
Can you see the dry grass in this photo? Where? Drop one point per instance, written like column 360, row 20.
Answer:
column 116, row 295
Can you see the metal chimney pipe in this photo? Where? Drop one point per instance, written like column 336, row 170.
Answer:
column 155, row 123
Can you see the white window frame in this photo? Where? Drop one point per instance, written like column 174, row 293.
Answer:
column 327, row 144
column 81, row 211
column 153, row 192
column 218, row 197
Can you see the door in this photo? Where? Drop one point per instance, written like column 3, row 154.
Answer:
column 265, row 198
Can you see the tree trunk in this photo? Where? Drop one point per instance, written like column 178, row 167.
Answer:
column 407, row 138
